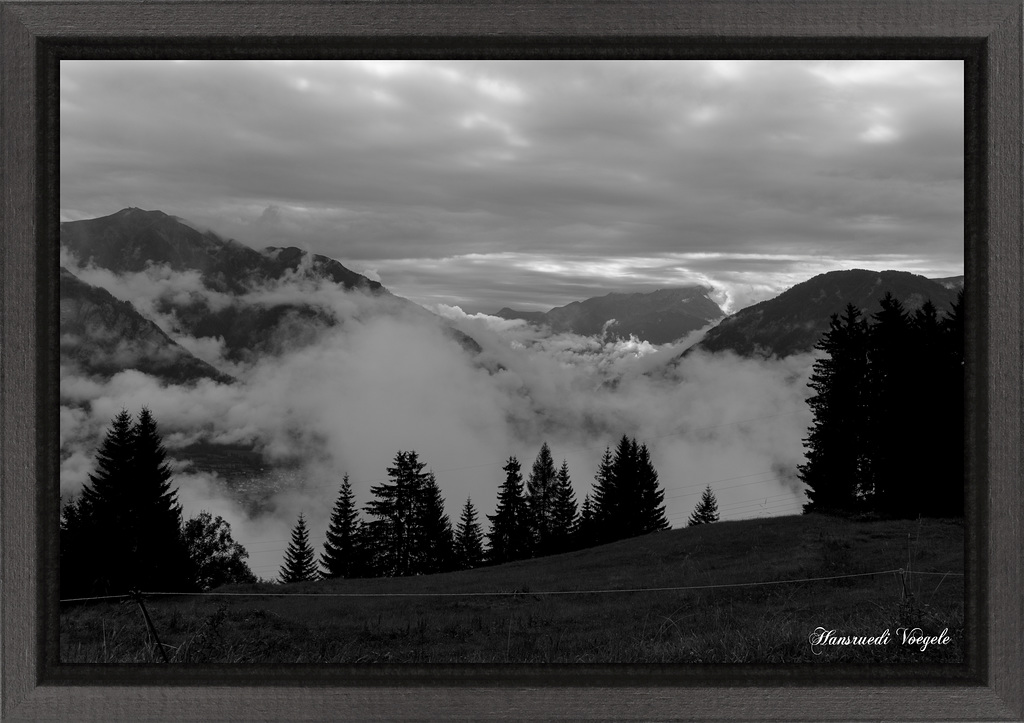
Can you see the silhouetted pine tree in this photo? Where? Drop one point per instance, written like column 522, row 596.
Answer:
column 469, row 539
column 103, row 512
column 623, row 509
column 299, row 560
column 126, row 527
column 510, row 537
column 434, row 551
column 604, row 500
column 949, row 442
column 541, row 496
column 76, row 544
column 837, row 472
column 585, row 534
column 564, row 512
column 892, row 378
column 343, row 553
column 706, row 510
column 650, row 496
column 925, row 403
column 396, row 530
column 888, row 414
column 162, row 558
column 627, row 498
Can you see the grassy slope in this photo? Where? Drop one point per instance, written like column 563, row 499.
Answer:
column 749, row 624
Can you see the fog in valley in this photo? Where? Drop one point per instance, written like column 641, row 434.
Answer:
column 380, row 383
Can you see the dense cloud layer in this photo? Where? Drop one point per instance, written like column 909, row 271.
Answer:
column 531, row 184
column 380, row 384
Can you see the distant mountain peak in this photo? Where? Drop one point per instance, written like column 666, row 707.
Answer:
column 133, row 239
column 660, row 316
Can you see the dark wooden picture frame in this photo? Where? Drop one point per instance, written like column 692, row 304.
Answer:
column 35, row 36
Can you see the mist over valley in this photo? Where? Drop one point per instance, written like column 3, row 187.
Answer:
column 274, row 373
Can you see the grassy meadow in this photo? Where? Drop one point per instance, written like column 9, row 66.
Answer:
column 762, row 624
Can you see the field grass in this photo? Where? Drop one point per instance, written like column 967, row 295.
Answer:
column 764, row 623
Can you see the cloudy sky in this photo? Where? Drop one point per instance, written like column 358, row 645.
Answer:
column 531, row 184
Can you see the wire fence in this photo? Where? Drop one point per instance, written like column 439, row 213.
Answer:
column 521, row 593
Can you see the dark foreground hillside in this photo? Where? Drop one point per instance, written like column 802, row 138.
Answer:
column 720, row 619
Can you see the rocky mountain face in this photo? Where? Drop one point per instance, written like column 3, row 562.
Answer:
column 793, row 321
column 102, row 336
column 659, row 317
column 133, row 239
column 240, row 297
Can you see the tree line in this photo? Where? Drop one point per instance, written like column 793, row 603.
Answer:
column 125, row 531
column 887, row 436
column 407, row 532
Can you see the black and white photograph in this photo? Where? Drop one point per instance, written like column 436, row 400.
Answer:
column 512, row 361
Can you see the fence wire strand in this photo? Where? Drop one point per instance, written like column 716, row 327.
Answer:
column 514, row 593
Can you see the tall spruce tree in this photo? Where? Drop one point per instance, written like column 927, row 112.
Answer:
column 650, row 497
column 891, row 381
column 127, row 526
column 469, row 539
column 949, row 443
column 299, row 559
column 410, row 532
column 436, row 543
column 887, row 391
column 510, row 538
column 585, row 533
column 837, row 472
column 343, row 553
column 604, row 499
column 104, row 513
column 162, row 556
column 564, row 512
column 706, row 510
column 77, row 573
column 394, row 527
column 541, row 497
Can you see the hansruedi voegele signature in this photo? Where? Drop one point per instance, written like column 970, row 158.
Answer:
column 906, row 636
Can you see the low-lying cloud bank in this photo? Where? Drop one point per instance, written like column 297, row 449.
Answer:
column 378, row 384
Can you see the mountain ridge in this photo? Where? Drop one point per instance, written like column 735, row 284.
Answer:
column 103, row 335
column 793, row 321
column 659, row 317
column 134, row 240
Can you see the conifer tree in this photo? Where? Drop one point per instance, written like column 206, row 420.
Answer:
column 604, row 500
column 76, row 570
column 509, row 538
column 649, row 495
column 585, row 534
column 541, row 496
column 890, row 381
column 706, row 510
column 564, row 511
column 299, row 559
column 838, row 468
column 127, row 524
column 342, row 555
column 104, row 512
column 162, row 559
column 949, row 442
column 434, row 551
column 396, row 516
column 469, row 540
